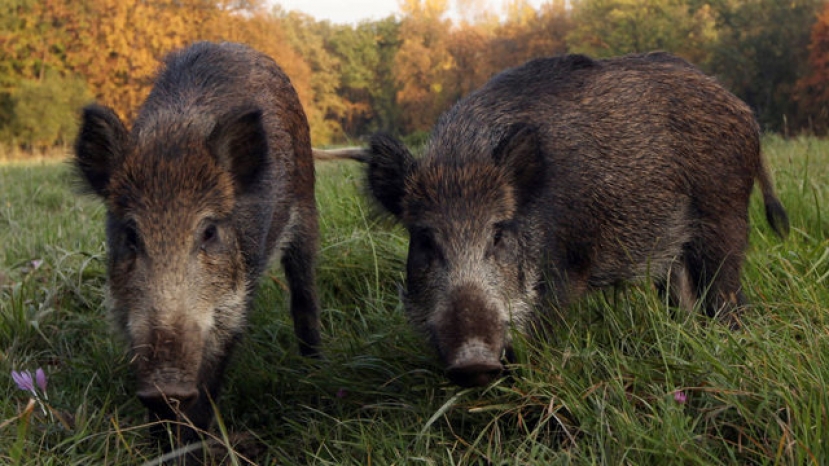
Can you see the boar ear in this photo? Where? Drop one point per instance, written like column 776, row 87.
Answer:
column 389, row 164
column 100, row 146
column 240, row 145
column 519, row 153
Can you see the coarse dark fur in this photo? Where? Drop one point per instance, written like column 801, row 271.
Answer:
column 565, row 175
column 215, row 177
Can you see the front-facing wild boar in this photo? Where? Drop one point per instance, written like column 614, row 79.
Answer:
column 214, row 178
column 565, row 175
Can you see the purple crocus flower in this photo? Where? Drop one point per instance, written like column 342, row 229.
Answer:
column 24, row 380
column 680, row 397
column 40, row 378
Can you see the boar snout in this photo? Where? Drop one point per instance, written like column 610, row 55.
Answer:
column 166, row 398
column 471, row 337
column 475, row 372
column 167, row 367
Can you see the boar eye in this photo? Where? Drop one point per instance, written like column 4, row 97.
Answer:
column 423, row 246
column 209, row 235
column 131, row 237
column 499, row 232
column 497, row 235
column 424, row 239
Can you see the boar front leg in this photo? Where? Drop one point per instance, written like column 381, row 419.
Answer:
column 299, row 260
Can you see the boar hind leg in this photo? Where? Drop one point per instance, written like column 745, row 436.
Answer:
column 715, row 262
column 681, row 287
column 298, row 261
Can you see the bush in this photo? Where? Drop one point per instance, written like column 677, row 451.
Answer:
column 416, row 139
column 44, row 112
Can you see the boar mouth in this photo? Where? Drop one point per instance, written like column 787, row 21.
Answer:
column 475, row 364
column 474, row 374
column 167, row 392
column 168, row 399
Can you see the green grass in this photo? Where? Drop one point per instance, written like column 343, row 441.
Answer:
column 599, row 391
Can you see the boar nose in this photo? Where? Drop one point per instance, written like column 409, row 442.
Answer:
column 474, row 373
column 160, row 399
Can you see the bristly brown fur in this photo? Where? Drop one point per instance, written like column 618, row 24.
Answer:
column 214, row 178
column 568, row 174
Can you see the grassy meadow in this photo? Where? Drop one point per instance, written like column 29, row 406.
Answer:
column 623, row 380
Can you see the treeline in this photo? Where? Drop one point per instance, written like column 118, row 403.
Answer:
column 399, row 73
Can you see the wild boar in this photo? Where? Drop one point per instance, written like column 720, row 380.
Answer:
column 215, row 177
column 566, row 175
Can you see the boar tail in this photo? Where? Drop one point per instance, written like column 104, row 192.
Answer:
column 349, row 153
column 775, row 213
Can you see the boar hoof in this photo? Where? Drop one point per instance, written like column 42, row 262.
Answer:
column 478, row 374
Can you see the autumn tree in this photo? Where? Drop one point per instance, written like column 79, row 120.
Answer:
column 528, row 33
column 31, row 39
column 326, row 108
column 477, row 13
column 366, row 82
column 385, row 88
column 606, row 28
column 422, row 63
column 39, row 91
column 44, row 110
column 813, row 89
column 470, row 48
column 117, row 45
column 398, row 75
column 761, row 52
column 265, row 31
column 480, row 50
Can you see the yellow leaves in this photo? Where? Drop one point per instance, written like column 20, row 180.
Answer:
column 133, row 36
column 422, row 62
column 438, row 63
column 430, row 10
column 616, row 27
column 519, row 12
column 120, row 48
column 703, row 30
column 476, row 13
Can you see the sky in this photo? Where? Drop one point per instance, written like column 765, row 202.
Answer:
column 353, row 11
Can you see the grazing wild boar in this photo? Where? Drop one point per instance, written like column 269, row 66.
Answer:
column 214, row 178
column 566, row 175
